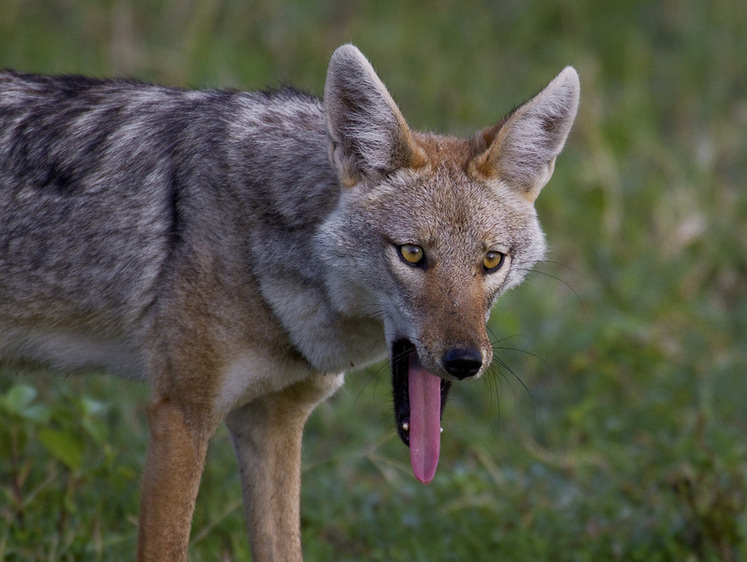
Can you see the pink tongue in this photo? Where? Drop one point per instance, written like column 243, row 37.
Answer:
column 425, row 422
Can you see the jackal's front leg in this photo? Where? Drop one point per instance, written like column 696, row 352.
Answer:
column 267, row 435
column 173, row 467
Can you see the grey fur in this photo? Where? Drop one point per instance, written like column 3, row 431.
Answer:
column 105, row 185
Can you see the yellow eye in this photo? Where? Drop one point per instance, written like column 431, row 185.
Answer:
column 493, row 260
column 411, row 253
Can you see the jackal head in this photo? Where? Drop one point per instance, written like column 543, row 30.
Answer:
column 430, row 230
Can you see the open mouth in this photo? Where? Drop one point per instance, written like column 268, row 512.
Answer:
column 419, row 400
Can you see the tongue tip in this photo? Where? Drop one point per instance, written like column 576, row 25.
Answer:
column 424, row 469
column 425, row 478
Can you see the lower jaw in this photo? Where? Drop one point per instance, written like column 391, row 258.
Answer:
column 402, row 351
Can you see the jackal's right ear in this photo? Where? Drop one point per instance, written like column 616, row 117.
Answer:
column 367, row 133
column 521, row 149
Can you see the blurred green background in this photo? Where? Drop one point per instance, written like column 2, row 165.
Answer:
column 613, row 425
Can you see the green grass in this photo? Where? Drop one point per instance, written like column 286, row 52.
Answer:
column 619, row 431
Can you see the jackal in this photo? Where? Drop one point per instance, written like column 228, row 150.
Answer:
column 240, row 251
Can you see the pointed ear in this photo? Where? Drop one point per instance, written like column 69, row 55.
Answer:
column 368, row 135
column 522, row 148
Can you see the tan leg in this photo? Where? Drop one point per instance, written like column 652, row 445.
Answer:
column 267, row 436
column 173, row 467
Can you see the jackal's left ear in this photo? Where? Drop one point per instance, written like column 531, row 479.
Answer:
column 521, row 149
column 368, row 134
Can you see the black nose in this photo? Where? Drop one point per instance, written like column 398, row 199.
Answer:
column 462, row 362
